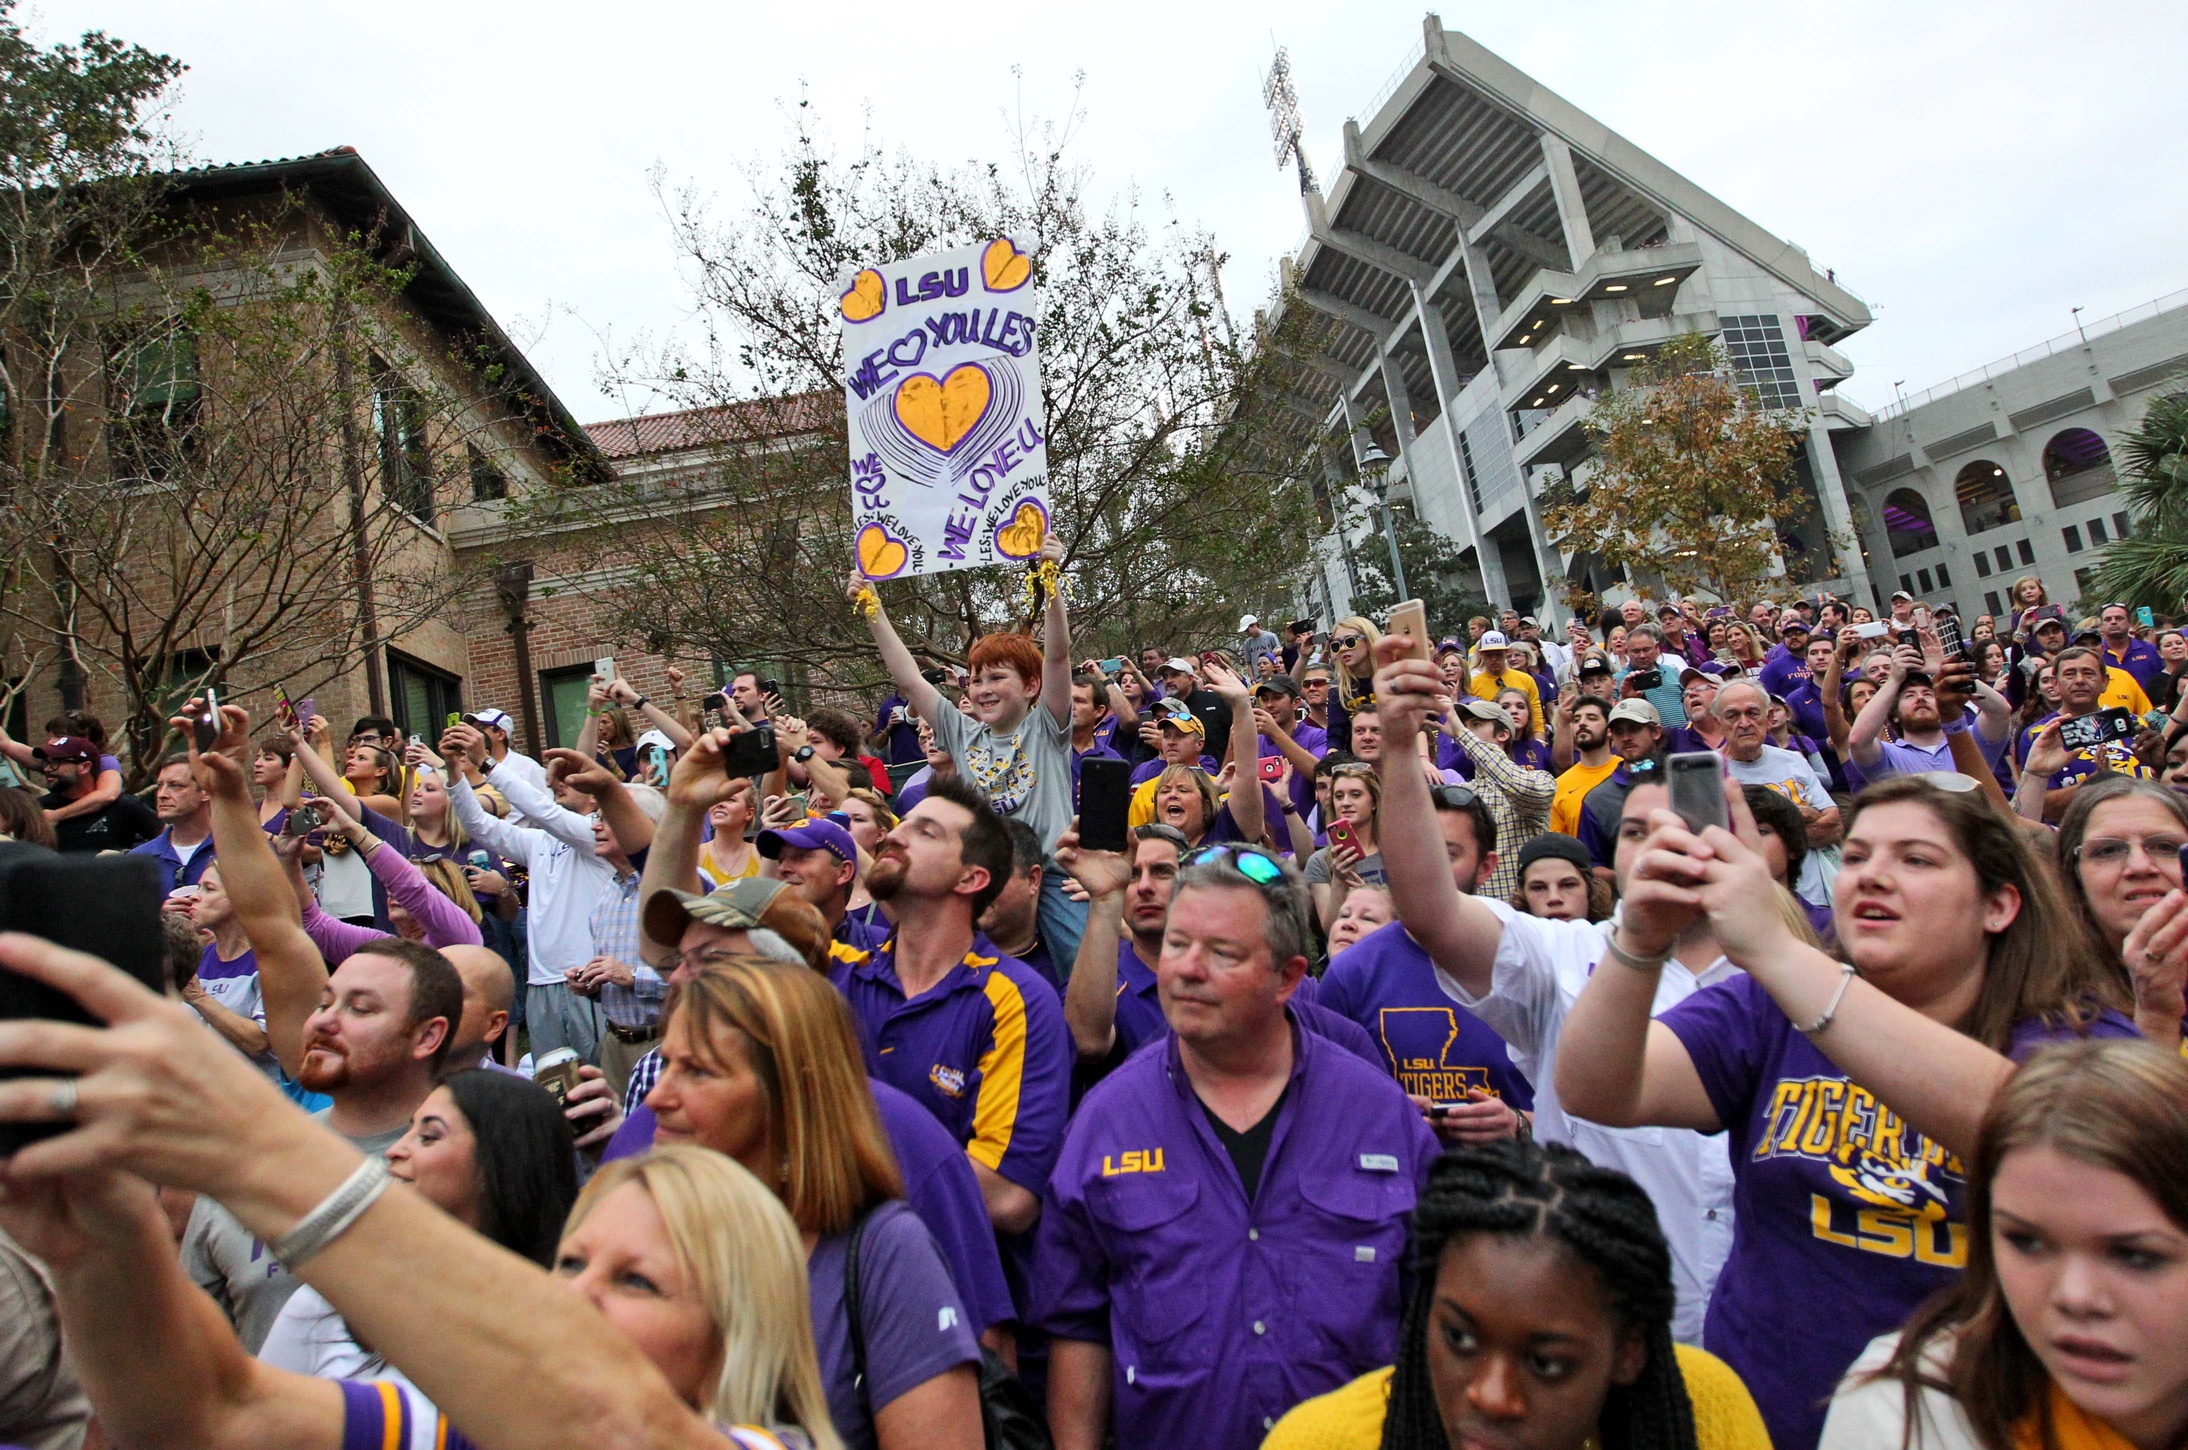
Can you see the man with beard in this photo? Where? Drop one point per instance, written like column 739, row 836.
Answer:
column 368, row 1037
column 1584, row 733
column 1907, row 697
column 977, row 1037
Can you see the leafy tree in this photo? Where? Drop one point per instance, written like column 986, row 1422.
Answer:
column 1433, row 571
column 1171, row 470
column 197, row 491
column 2150, row 566
column 1691, row 477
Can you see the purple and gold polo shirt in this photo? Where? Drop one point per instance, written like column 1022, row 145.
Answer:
column 985, row 1050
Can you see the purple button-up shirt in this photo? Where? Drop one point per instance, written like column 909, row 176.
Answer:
column 2142, row 660
column 1220, row 1313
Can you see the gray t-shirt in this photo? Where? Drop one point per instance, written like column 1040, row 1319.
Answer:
column 228, row 1262
column 1318, row 872
column 1026, row 773
column 1790, row 775
column 42, row 1407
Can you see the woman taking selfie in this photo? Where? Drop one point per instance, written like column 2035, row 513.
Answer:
column 762, row 1064
column 676, row 1307
column 2119, row 846
column 1851, row 1090
column 491, row 1150
column 2070, row 1326
column 1539, row 1314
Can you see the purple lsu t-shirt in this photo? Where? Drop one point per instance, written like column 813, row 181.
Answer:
column 1845, row 1217
column 1435, row 1048
column 938, row 1183
column 913, row 1325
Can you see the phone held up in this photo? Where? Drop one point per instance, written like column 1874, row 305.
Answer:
column 750, row 753
column 205, row 727
column 1698, row 789
column 1341, row 833
column 1410, row 619
column 2085, row 732
column 45, row 895
column 1105, row 801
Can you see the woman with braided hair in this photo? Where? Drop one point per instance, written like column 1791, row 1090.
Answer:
column 1539, row 1316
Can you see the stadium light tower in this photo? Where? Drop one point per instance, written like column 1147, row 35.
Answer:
column 1284, row 123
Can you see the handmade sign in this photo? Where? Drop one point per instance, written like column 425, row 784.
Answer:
column 949, row 455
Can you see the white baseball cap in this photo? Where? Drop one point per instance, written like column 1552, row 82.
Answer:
column 655, row 737
column 1248, row 621
column 1492, row 639
column 499, row 719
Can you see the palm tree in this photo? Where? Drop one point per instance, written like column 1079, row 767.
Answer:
column 2151, row 566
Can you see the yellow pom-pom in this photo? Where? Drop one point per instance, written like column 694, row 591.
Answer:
column 1042, row 580
column 866, row 600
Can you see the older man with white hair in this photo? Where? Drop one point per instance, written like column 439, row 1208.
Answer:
column 1751, row 759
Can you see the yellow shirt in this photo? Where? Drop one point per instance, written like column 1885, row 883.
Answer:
column 2122, row 691
column 1485, row 686
column 1351, row 1418
column 1572, row 788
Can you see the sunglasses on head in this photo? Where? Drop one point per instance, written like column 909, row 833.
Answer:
column 1457, row 797
column 1245, row 860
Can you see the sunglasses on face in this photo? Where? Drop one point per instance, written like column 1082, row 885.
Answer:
column 1347, row 641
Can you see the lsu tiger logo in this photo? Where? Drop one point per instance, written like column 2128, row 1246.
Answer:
column 949, row 1081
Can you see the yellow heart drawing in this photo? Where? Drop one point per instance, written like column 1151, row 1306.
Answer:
column 1003, row 267
column 940, row 413
column 1021, row 537
column 866, row 298
column 879, row 555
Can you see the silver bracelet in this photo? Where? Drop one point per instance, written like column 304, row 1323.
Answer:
column 1846, row 977
column 1626, row 958
column 335, row 1213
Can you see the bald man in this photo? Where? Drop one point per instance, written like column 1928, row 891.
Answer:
column 489, row 991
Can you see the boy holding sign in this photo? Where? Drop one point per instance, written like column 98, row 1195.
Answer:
column 1017, row 749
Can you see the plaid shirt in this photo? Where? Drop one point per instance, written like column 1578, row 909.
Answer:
column 614, row 924
column 644, row 1074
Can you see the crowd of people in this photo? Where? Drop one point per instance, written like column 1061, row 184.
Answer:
column 1414, row 1075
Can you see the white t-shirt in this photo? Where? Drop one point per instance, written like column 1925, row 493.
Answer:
column 310, row 1336
column 1867, row 1414
column 1790, row 775
column 1540, row 969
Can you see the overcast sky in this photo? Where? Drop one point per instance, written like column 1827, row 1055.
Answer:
column 1973, row 172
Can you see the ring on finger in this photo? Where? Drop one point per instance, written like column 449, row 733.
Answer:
column 61, row 1101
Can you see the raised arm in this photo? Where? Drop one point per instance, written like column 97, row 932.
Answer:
column 535, row 804
column 1458, row 932
column 1056, row 642
column 1869, row 725
column 697, row 783
column 924, row 699
column 631, row 827
column 1834, row 712
column 445, row 923
column 1246, row 807
column 490, row 1338
column 626, row 694
column 1090, row 997
column 291, row 974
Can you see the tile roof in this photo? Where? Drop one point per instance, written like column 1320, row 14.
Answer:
column 747, row 422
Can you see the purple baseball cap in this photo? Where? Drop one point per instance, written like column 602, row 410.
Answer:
column 812, row 835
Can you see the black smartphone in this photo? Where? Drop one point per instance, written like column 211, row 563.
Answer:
column 1300, row 626
column 1105, row 801
column 1698, row 788
column 1909, row 638
column 751, row 752
column 206, row 727
column 1645, row 680
column 52, row 896
column 2084, row 732
column 772, row 687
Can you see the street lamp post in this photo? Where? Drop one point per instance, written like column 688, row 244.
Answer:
column 1375, row 468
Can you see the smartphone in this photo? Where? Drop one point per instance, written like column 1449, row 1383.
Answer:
column 1210, row 657
column 751, row 753
column 1300, row 626
column 1342, row 834
column 45, row 895
column 557, row 1072
column 718, row 702
column 1875, row 629
column 1644, row 681
column 455, row 717
column 1909, row 638
column 604, row 667
column 302, row 821
column 1948, row 635
column 2084, row 732
column 1111, row 668
column 207, row 725
column 305, row 710
column 2144, row 617
column 1411, row 620
column 284, row 711
column 1105, row 802
column 1698, row 788
column 1272, row 768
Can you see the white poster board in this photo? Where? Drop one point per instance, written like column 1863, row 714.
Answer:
column 942, row 397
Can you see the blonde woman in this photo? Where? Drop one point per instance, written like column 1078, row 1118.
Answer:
column 1352, row 675
column 676, row 1303
column 727, row 856
column 761, row 1063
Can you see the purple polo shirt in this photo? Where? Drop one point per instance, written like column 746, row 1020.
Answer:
column 938, row 1183
column 2142, row 660
column 985, row 1050
column 1434, row 1047
column 174, row 871
column 1147, row 770
column 1221, row 1314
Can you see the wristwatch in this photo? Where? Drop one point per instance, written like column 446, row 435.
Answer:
column 803, row 753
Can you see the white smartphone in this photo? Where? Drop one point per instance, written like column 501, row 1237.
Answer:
column 604, row 667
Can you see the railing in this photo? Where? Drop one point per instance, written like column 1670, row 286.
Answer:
column 1390, row 87
column 2027, row 355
